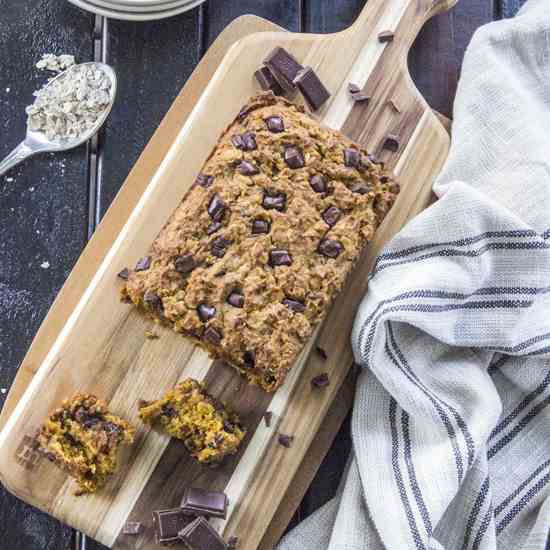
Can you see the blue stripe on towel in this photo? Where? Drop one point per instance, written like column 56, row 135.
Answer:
column 485, row 523
column 427, row 308
column 458, row 242
column 495, row 365
column 436, row 401
column 522, row 503
column 474, row 512
column 521, row 406
column 500, row 508
column 441, row 413
column 531, row 415
column 399, row 478
column 450, row 252
column 415, row 488
column 444, row 294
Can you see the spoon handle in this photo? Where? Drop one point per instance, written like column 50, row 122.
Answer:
column 21, row 152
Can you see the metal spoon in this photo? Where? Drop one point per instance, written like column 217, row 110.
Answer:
column 37, row 142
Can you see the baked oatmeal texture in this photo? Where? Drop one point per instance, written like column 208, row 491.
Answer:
column 83, row 438
column 208, row 430
column 250, row 261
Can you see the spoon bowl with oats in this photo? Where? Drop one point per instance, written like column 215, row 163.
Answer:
column 67, row 111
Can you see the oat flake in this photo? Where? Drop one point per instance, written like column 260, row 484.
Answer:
column 55, row 63
column 71, row 105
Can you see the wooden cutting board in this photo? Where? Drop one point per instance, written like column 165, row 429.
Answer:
column 102, row 347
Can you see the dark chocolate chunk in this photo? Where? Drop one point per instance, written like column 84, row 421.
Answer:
column 152, row 300
column 361, row 97
column 274, row 201
column 205, row 312
column 236, row 299
column 331, row 215
column 200, row 502
column 200, row 535
column 385, row 36
column 357, row 93
column 286, row 440
column 360, row 188
column 352, row 158
column 284, row 67
column 229, row 426
column 81, row 415
column 294, row 305
column 294, row 157
column 313, row 90
column 185, row 263
column 321, row 352
column 124, row 274
column 394, row 188
column 237, row 141
column 244, row 142
column 275, row 124
column 249, row 359
column 218, row 247
column 279, row 257
column 168, row 523
column 330, row 248
column 213, row 336
column 318, row 183
column 132, row 528
column 249, row 140
column 213, row 227
column 268, row 417
column 244, row 112
column 391, row 143
column 247, row 168
column 320, row 381
column 169, row 411
column 216, row 207
column 143, row 264
column 267, row 81
column 204, row 180
column 260, row 226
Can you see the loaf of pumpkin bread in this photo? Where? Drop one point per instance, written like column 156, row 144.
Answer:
column 253, row 256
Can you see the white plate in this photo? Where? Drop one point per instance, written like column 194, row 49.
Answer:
column 114, row 5
column 136, row 16
column 142, row 3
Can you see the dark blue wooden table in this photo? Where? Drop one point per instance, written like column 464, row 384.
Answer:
column 50, row 205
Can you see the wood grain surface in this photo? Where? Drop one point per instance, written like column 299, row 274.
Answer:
column 104, row 337
column 59, row 27
column 107, row 231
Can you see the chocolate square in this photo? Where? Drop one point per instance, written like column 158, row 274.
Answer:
column 200, row 502
column 284, row 67
column 311, row 88
column 168, row 523
column 267, row 81
column 200, row 535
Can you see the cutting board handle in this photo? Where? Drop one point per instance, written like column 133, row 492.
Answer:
column 389, row 13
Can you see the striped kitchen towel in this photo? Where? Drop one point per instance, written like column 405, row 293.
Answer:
column 451, row 422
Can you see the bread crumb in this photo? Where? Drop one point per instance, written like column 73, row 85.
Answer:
column 45, row 265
